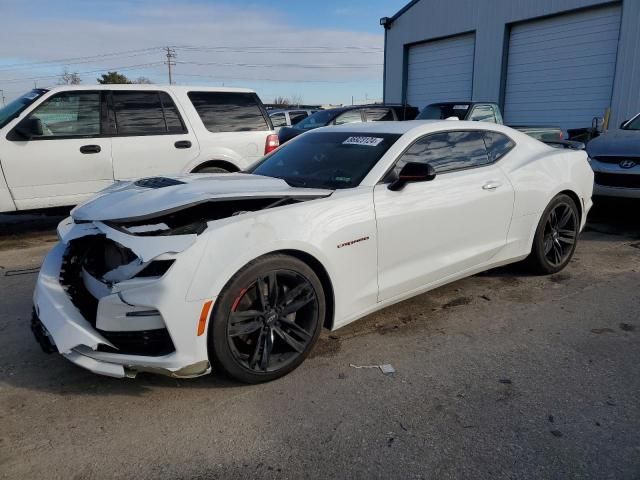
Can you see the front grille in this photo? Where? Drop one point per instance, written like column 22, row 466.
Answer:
column 151, row 343
column 616, row 160
column 617, row 180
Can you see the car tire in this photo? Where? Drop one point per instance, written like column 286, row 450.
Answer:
column 212, row 170
column 556, row 236
column 284, row 321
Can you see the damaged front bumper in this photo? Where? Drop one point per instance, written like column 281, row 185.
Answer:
column 128, row 323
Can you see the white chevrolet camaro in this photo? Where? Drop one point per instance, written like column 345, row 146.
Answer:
column 240, row 272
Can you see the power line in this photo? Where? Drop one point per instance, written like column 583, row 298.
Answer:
column 128, row 67
column 285, row 65
column 286, row 80
column 171, row 54
column 83, row 59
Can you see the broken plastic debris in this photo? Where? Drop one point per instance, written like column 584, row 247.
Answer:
column 385, row 368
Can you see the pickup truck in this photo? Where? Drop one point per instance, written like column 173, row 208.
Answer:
column 485, row 112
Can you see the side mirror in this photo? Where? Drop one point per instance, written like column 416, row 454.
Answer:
column 623, row 124
column 413, row 172
column 30, row 127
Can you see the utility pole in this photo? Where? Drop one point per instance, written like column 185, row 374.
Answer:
column 171, row 54
column 2, row 95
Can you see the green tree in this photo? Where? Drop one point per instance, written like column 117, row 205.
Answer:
column 143, row 80
column 113, row 77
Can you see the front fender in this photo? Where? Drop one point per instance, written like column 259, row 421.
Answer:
column 338, row 231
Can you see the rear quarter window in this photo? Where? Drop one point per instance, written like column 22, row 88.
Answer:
column 498, row 145
column 229, row 111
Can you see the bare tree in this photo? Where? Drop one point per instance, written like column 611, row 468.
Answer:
column 281, row 101
column 296, row 100
column 69, row 78
column 143, row 80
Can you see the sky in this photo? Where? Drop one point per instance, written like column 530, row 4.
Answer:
column 318, row 51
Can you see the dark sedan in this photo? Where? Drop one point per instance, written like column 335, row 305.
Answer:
column 350, row 114
column 615, row 159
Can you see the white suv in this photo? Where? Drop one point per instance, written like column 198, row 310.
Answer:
column 59, row 146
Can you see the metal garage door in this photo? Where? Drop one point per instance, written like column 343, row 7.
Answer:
column 440, row 71
column 560, row 70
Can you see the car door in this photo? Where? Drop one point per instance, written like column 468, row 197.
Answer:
column 151, row 137
column 65, row 158
column 432, row 230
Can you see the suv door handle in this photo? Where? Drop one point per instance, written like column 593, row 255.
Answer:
column 90, row 149
column 182, row 144
column 491, row 185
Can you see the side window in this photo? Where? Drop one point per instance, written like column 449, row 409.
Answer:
column 379, row 114
column 296, row 117
column 497, row 144
column 278, row 120
column 69, row 114
column 138, row 113
column 350, row 116
column 229, row 111
column 171, row 115
column 447, row 151
column 483, row 113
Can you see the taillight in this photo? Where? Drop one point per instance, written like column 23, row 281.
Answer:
column 561, row 134
column 271, row 144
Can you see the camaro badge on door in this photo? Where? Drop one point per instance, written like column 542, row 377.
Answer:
column 627, row 163
column 346, row 244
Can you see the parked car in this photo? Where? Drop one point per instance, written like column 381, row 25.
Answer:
column 60, row 146
column 485, row 112
column 288, row 118
column 240, row 272
column 615, row 159
column 350, row 114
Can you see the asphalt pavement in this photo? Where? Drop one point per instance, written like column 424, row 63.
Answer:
column 501, row 375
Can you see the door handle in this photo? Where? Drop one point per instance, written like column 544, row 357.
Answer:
column 90, row 149
column 491, row 185
column 182, row 144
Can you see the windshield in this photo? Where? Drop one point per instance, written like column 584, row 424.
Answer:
column 318, row 119
column 440, row 111
column 633, row 124
column 13, row 109
column 330, row 160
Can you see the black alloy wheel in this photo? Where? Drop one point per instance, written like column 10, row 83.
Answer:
column 560, row 233
column 556, row 236
column 268, row 319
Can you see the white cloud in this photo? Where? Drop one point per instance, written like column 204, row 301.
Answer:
column 151, row 24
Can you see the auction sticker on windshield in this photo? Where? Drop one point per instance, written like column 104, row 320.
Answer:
column 369, row 141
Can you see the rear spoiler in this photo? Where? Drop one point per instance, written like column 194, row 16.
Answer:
column 570, row 144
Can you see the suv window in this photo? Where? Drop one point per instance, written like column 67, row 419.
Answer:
column 447, row 151
column 379, row 114
column 146, row 113
column 498, row 145
column 350, row 116
column 278, row 120
column 69, row 114
column 483, row 113
column 229, row 111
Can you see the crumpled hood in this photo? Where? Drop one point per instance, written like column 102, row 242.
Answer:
column 615, row 143
column 148, row 197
